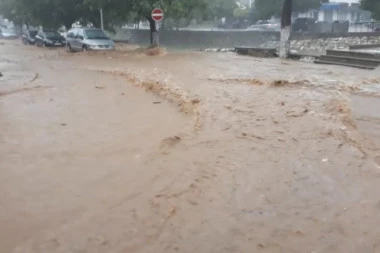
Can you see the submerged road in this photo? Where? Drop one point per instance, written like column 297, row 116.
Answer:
column 185, row 152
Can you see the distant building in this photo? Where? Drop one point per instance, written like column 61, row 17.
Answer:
column 347, row 10
column 343, row 11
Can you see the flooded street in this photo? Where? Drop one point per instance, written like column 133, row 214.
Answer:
column 121, row 152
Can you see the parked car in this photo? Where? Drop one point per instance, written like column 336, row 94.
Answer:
column 265, row 25
column 49, row 39
column 29, row 37
column 303, row 24
column 8, row 33
column 83, row 39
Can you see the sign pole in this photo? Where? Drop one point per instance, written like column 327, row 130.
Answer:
column 157, row 34
column 157, row 16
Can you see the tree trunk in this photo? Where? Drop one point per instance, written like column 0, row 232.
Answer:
column 68, row 25
column 286, row 21
column 153, row 32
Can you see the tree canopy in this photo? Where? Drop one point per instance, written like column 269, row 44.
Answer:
column 65, row 12
column 373, row 6
column 221, row 8
column 55, row 13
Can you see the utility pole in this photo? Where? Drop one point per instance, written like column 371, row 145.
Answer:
column 101, row 19
column 286, row 22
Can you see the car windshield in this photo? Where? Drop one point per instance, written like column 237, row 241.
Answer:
column 52, row 34
column 262, row 22
column 33, row 33
column 95, row 34
column 11, row 31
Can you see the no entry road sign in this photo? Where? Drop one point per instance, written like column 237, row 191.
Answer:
column 157, row 14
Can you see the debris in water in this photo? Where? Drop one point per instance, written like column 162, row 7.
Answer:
column 280, row 83
column 156, row 103
column 325, row 160
column 169, row 142
column 35, row 78
column 100, row 87
column 63, row 124
column 299, row 114
column 261, row 246
column 377, row 160
column 195, row 101
column 155, row 51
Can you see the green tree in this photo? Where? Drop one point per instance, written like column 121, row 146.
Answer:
column 265, row 9
column 239, row 12
column 16, row 10
column 54, row 13
column 220, row 8
column 373, row 6
column 115, row 12
column 48, row 13
column 185, row 10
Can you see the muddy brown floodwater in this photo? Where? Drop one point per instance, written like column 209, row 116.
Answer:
column 121, row 152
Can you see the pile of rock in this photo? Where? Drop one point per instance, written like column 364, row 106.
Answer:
column 213, row 50
column 320, row 45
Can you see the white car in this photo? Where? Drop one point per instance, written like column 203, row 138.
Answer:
column 265, row 25
column 7, row 33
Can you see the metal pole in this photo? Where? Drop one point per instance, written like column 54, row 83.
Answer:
column 101, row 19
column 157, row 34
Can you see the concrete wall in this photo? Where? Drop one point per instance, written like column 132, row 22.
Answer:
column 199, row 39
column 308, row 43
column 328, row 27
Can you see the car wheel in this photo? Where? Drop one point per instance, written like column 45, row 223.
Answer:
column 69, row 49
column 84, row 49
column 43, row 44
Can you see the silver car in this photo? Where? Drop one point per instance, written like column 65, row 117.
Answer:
column 83, row 39
column 265, row 25
column 8, row 33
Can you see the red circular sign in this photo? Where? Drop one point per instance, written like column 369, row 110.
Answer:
column 157, row 14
